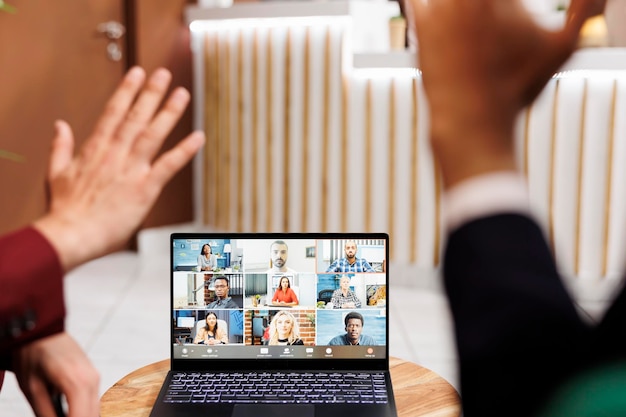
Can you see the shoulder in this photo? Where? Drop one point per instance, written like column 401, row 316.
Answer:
column 337, row 340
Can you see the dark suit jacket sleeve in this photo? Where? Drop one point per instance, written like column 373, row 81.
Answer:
column 31, row 290
column 517, row 330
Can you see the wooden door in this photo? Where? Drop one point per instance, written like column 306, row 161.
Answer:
column 53, row 64
column 161, row 38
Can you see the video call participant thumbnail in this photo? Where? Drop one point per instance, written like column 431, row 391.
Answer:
column 284, row 295
column 344, row 297
column 350, row 263
column 211, row 333
column 353, row 337
column 222, row 300
column 284, row 330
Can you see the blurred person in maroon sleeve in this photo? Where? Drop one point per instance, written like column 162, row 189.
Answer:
column 98, row 199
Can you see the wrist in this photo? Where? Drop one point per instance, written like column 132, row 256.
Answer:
column 467, row 149
column 72, row 241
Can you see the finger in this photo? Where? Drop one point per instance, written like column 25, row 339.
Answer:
column 563, row 43
column 62, row 149
column 144, row 108
column 81, row 389
column 38, row 396
column 83, row 402
column 173, row 160
column 117, row 107
column 153, row 137
column 581, row 10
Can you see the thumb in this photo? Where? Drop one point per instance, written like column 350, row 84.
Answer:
column 581, row 10
column 62, row 149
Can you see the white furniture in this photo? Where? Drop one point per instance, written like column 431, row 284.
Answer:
column 305, row 135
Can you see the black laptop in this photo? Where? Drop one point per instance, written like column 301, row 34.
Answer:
column 273, row 324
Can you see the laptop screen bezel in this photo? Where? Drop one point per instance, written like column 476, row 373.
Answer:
column 376, row 364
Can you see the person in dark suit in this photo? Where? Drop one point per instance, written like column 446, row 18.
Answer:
column 522, row 346
column 97, row 200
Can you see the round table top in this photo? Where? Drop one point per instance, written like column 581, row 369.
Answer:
column 418, row 392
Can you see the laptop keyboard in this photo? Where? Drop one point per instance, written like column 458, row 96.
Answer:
column 277, row 387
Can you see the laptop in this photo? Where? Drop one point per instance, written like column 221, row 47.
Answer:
column 276, row 324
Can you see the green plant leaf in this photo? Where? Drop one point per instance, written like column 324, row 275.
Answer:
column 11, row 156
column 4, row 7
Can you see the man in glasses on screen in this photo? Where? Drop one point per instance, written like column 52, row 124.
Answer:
column 222, row 300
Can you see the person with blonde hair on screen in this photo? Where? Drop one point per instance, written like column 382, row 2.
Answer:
column 284, row 330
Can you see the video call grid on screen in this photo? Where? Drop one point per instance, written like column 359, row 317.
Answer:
column 255, row 323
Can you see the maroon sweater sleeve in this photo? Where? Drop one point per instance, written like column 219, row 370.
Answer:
column 31, row 290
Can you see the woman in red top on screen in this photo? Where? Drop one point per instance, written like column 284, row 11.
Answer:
column 284, row 295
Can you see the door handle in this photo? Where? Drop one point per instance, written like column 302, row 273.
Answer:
column 112, row 29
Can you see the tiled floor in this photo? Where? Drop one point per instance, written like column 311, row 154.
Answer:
column 116, row 306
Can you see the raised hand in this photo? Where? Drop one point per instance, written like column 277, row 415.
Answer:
column 482, row 62
column 100, row 197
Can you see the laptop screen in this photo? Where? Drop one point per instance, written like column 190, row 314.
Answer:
column 279, row 296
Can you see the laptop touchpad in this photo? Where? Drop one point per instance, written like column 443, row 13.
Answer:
column 273, row 410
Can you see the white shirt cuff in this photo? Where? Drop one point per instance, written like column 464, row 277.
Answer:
column 485, row 195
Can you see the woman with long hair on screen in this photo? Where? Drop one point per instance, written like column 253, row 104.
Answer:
column 284, row 330
column 211, row 333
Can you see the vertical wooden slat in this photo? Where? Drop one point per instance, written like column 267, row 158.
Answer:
column 552, row 156
column 368, row 154
column 240, row 127
column 214, row 119
column 391, row 164
column 324, row 204
column 526, row 160
column 343, row 166
column 414, row 180
column 209, row 128
column 438, row 231
column 269, row 116
column 255, row 131
column 304, row 215
column 287, row 132
column 219, row 126
column 581, row 169
column 223, row 173
column 609, row 181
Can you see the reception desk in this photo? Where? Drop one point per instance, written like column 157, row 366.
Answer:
column 307, row 132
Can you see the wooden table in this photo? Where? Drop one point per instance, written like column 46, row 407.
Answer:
column 419, row 392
